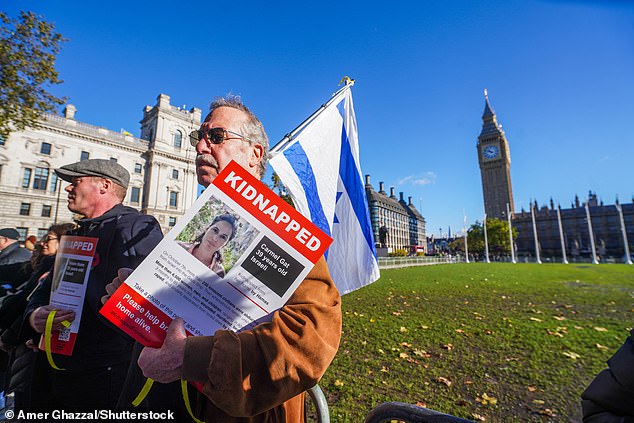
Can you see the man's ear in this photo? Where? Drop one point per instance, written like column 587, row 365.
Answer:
column 106, row 185
column 257, row 152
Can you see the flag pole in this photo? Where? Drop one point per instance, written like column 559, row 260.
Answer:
column 289, row 137
column 564, row 259
column 591, row 235
column 466, row 233
column 508, row 215
column 486, row 241
column 538, row 259
column 628, row 259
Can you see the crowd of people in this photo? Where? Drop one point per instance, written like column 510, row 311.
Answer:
column 257, row 375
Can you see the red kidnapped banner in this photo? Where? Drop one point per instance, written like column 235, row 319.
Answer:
column 275, row 213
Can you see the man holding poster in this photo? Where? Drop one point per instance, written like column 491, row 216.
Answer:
column 95, row 371
column 258, row 374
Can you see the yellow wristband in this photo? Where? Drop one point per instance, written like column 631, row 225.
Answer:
column 47, row 339
column 186, row 400
column 144, row 391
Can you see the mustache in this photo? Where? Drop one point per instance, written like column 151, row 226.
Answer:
column 206, row 160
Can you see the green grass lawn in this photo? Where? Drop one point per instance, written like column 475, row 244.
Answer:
column 487, row 342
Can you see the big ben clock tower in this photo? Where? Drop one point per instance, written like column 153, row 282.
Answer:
column 495, row 165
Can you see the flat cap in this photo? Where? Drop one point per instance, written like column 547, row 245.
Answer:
column 95, row 167
column 10, row 233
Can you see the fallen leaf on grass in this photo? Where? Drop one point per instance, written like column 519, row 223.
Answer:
column 538, row 402
column 405, row 344
column 531, row 388
column 421, row 353
column 403, row 329
column 403, row 355
column 560, row 318
column 396, row 313
column 421, row 403
column 424, row 327
column 478, row 417
column 447, row 347
column 487, row 400
column 338, row 383
column 601, row 347
column 535, row 319
column 600, row 329
column 571, row 354
column 385, row 369
column 443, row 380
column 547, row 412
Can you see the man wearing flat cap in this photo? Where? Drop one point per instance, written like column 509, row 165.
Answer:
column 96, row 370
column 10, row 250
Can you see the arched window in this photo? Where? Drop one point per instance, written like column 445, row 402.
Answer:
column 178, row 139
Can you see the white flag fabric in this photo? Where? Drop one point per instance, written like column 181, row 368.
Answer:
column 320, row 168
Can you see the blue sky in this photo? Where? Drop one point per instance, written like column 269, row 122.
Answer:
column 560, row 76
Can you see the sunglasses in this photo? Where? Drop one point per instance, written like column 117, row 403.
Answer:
column 214, row 136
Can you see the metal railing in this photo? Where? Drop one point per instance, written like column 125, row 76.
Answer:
column 395, row 262
column 389, row 411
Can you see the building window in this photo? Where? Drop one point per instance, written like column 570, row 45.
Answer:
column 178, row 139
column 173, row 199
column 174, row 173
column 40, row 179
column 54, row 181
column 25, row 209
column 2, row 139
column 135, row 194
column 172, row 221
column 26, row 178
column 45, row 148
column 22, row 232
column 138, row 168
column 41, row 232
column 46, row 210
column 84, row 156
column 113, row 159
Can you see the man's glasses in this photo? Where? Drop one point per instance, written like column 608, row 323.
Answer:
column 214, row 136
column 49, row 239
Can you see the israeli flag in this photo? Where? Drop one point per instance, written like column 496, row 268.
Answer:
column 320, row 169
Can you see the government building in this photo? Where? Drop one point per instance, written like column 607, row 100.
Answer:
column 605, row 219
column 161, row 164
column 396, row 224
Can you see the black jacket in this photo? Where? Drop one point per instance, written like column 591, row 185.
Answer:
column 610, row 396
column 126, row 237
column 13, row 254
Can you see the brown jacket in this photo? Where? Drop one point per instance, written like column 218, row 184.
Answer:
column 259, row 375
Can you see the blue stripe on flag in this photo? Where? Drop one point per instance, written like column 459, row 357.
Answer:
column 298, row 159
column 352, row 181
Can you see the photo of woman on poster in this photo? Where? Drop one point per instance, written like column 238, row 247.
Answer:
column 207, row 246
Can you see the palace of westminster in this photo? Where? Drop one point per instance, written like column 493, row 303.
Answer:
column 163, row 184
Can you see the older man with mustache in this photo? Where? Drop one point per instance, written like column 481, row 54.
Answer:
column 257, row 375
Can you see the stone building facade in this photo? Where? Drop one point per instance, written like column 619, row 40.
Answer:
column 161, row 165
column 606, row 230
column 396, row 224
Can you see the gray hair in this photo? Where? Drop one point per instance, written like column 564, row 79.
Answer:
column 252, row 129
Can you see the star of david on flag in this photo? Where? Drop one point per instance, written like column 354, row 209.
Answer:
column 319, row 166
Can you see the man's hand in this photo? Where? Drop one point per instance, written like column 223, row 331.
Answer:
column 38, row 317
column 165, row 364
column 122, row 275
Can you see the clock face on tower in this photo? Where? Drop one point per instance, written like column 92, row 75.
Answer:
column 490, row 152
